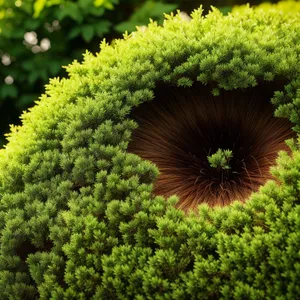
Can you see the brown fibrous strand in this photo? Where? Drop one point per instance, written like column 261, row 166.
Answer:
column 181, row 127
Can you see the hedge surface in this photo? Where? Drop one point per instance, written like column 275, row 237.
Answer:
column 78, row 219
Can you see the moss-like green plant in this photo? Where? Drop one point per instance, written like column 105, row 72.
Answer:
column 220, row 159
column 78, row 215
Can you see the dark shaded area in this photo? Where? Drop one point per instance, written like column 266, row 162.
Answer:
column 181, row 127
column 27, row 248
column 189, row 5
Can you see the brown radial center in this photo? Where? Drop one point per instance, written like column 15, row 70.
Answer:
column 180, row 128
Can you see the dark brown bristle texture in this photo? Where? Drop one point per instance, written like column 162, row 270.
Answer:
column 180, row 128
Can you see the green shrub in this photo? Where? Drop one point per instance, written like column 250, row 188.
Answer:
column 37, row 37
column 78, row 216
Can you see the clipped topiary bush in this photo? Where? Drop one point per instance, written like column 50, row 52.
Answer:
column 89, row 181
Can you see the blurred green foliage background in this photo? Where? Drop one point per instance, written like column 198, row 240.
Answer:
column 37, row 37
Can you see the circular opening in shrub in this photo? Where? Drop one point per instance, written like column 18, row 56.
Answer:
column 210, row 149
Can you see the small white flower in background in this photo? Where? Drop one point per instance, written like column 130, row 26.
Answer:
column 45, row 44
column 6, row 60
column 36, row 49
column 184, row 16
column 31, row 38
column 9, row 80
column 56, row 24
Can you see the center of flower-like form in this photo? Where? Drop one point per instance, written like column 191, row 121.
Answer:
column 210, row 149
column 220, row 159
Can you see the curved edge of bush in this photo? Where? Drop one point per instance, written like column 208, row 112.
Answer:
column 77, row 215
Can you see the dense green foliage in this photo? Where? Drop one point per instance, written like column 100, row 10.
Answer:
column 220, row 159
column 37, row 37
column 77, row 216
